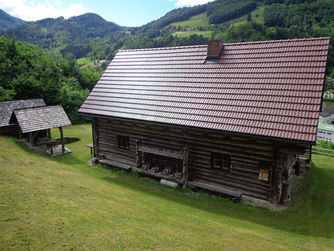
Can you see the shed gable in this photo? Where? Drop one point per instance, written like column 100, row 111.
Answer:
column 7, row 108
column 40, row 118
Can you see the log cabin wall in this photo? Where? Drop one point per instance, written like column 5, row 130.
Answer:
column 248, row 155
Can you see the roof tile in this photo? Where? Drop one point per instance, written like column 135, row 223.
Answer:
column 265, row 88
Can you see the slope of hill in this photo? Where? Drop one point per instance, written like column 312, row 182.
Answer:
column 9, row 22
column 62, row 203
column 75, row 35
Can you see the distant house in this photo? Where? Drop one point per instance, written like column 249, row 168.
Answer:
column 325, row 132
column 188, row 28
column 230, row 118
column 329, row 94
column 327, row 115
column 7, row 108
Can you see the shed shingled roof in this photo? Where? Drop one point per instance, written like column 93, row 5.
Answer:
column 7, row 108
column 41, row 118
column 266, row 88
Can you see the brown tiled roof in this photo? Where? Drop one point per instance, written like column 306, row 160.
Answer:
column 7, row 108
column 267, row 88
column 40, row 118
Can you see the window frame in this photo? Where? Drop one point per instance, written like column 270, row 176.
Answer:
column 123, row 142
column 224, row 162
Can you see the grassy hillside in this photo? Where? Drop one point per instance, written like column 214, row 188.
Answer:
column 201, row 23
column 197, row 21
column 62, row 203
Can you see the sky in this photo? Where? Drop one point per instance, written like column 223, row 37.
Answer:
column 122, row 12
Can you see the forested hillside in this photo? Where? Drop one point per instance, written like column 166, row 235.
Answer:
column 26, row 71
column 91, row 36
column 8, row 22
column 76, row 36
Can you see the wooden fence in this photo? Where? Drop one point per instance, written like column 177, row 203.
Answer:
column 323, row 151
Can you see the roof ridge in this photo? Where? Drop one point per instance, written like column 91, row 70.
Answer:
column 164, row 48
column 35, row 107
column 234, row 43
column 22, row 100
column 280, row 40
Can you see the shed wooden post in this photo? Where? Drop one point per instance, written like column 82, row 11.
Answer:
column 20, row 132
column 62, row 139
column 185, row 167
column 31, row 139
column 95, row 138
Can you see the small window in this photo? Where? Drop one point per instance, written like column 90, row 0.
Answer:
column 123, row 142
column 264, row 171
column 221, row 161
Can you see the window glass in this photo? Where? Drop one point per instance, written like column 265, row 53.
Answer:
column 123, row 142
column 221, row 161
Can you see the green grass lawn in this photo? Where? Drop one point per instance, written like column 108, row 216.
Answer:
column 329, row 102
column 62, row 203
column 87, row 63
column 201, row 20
column 257, row 16
column 206, row 34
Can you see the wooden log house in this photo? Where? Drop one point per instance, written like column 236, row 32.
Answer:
column 231, row 118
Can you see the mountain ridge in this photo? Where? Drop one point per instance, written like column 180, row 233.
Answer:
column 9, row 22
column 89, row 35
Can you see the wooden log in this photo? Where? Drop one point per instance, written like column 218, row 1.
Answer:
column 192, row 140
column 116, row 164
column 158, row 175
column 237, row 141
column 217, row 188
column 52, row 142
column 185, row 175
column 138, row 155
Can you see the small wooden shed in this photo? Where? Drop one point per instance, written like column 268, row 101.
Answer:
column 232, row 118
column 34, row 126
column 7, row 108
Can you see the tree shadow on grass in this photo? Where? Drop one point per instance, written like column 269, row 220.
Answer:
column 311, row 213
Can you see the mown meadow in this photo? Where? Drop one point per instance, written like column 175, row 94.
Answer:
column 63, row 203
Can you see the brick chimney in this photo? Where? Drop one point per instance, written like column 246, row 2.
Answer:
column 215, row 48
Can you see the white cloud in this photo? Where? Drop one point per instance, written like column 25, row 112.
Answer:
column 31, row 11
column 180, row 3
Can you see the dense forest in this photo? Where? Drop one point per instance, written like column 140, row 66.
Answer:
column 224, row 10
column 89, row 35
column 26, row 71
column 75, row 37
column 50, row 71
